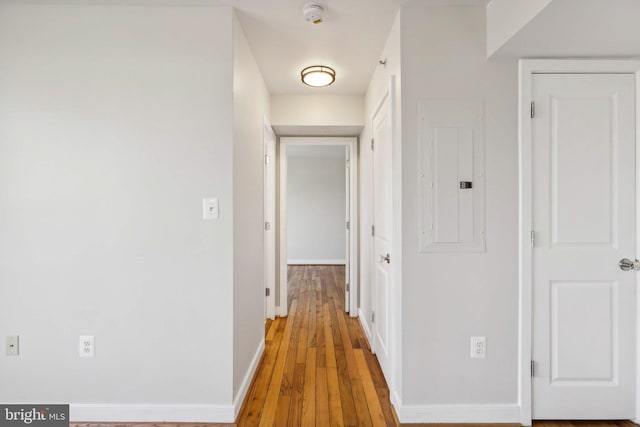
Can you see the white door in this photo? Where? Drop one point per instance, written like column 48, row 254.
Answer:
column 347, row 235
column 270, row 221
column 584, row 345
column 382, row 258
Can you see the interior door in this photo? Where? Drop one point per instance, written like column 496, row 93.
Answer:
column 347, row 239
column 584, row 305
column 382, row 229
column 270, row 220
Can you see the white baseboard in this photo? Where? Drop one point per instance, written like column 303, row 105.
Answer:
column 82, row 412
column 151, row 413
column 246, row 382
column 316, row 262
column 458, row 413
column 395, row 400
column 365, row 326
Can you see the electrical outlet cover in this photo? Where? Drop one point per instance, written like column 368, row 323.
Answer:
column 86, row 346
column 478, row 347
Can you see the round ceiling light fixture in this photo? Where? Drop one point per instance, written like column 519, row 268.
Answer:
column 318, row 76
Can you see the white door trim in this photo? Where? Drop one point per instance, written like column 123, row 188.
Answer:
column 528, row 67
column 396, row 384
column 372, row 255
column 269, row 279
column 352, row 143
column 395, row 303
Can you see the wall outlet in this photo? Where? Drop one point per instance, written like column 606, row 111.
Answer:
column 478, row 347
column 13, row 347
column 86, row 346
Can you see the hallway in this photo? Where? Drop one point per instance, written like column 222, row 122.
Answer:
column 317, row 368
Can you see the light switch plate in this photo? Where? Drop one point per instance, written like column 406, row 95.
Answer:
column 13, row 345
column 210, row 208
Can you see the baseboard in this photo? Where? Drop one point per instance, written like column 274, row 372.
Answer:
column 316, row 262
column 395, row 399
column 395, row 403
column 458, row 413
column 246, row 382
column 82, row 412
column 365, row 327
column 151, row 413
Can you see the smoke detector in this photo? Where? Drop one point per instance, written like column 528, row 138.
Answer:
column 313, row 13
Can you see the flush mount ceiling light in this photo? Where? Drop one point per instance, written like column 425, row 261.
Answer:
column 318, row 76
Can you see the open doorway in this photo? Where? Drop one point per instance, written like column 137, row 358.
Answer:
column 318, row 211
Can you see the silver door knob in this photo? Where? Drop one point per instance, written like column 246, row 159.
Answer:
column 626, row 264
column 386, row 258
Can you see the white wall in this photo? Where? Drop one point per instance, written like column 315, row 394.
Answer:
column 316, row 191
column 449, row 297
column 115, row 122
column 505, row 18
column 602, row 28
column 250, row 106
column 317, row 110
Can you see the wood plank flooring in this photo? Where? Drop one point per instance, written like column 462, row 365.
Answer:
column 535, row 424
column 317, row 368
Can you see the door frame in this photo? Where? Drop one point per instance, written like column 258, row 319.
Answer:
column 352, row 143
column 395, row 304
column 527, row 68
column 269, row 279
column 387, row 96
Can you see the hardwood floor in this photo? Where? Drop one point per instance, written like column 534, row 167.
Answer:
column 535, row 424
column 541, row 424
column 317, row 368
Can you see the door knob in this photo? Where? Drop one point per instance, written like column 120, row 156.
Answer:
column 386, row 258
column 626, row 264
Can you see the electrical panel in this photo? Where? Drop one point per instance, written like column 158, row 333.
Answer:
column 451, row 146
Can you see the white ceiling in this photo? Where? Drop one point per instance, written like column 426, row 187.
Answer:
column 349, row 40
